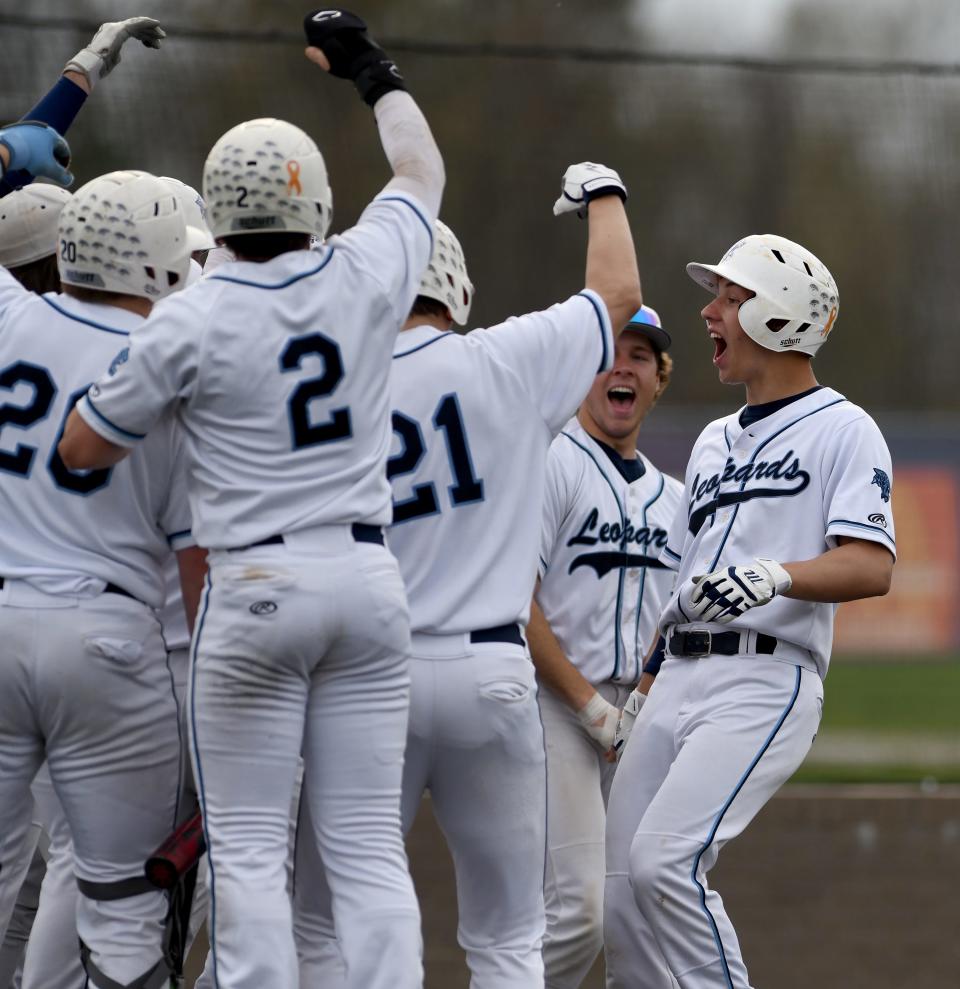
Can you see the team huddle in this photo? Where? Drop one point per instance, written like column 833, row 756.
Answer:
column 283, row 547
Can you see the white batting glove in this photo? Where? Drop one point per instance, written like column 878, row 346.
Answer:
column 729, row 592
column 599, row 719
column 101, row 56
column 584, row 182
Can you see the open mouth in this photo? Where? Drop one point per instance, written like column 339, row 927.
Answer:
column 719, row 346
column 621, row 397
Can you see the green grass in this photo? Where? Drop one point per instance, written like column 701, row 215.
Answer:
column 894, row 714
column 897, row 697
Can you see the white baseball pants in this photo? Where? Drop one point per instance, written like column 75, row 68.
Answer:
column 306, row 645
column 578, row 785
column 85, row 682
column 476, row 743
column 714, row 742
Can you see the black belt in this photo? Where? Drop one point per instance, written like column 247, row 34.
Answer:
column 701, row 642
column 501, row 633
column 361, row 532
column 109, row 589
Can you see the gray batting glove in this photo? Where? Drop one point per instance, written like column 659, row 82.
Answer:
column 628, row 717
column 599, row 719
column 101, row 56
column 584, row 182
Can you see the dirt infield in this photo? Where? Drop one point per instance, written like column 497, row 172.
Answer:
column 830, row 888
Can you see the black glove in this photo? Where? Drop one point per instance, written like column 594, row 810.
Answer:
column 352, row 53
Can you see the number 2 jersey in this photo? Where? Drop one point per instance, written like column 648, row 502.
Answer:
column 473, row 419
column 279, row 373
column 785, row 487
column 73, row 532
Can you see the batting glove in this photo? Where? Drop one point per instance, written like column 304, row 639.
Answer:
column 728, row 593
column 584, row 182
column 628, row 716
column 101, row 56
column 352, row 53
column 599, row 719
column 38, row 149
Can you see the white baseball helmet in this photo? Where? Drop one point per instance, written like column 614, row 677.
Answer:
column 266, row 176
column 446, row 279
column 796, row 301
column 28, row 223
column 194, row 208
column 125, row 232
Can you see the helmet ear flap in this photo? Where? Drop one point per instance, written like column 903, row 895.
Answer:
column 752, row 322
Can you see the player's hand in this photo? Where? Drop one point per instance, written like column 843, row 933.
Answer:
column 729, row 592
column 101, row 56
column 38, row 149
column 350, row 52
column 584, row 182
column 599, row 719
column 628, row 716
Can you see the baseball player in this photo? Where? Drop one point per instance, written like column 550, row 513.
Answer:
column 277, row 365
column 473, row 418
column 593, row 621
column 85, row 681
column 785, row 512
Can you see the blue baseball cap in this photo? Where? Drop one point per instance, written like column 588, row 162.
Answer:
column 647, row 321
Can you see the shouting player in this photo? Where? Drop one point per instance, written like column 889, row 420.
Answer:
column 593, row 621
column 785, row 512
column 278, row 365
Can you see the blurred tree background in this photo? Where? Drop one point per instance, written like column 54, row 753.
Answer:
column 854, row 160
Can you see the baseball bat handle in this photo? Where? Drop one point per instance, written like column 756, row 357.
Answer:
column 177, row 855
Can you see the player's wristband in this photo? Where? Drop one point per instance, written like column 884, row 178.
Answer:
column 589, row 195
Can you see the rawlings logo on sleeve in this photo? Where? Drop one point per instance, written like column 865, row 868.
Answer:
column 882, row 481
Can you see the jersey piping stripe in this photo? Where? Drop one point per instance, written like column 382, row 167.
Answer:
column 702, row 893
column 177, row 708
column 420, row 346
column 201, row 790
column 81, row 319
column 415, row 208
column 114, row 426
column 643, row 579
column 603, row 329
column 863, row 525
column 754, row 456
column 670, row 553
column 177, row 535
column 284, row 284
column 623, row 524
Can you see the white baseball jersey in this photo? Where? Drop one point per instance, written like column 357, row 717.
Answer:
column 473, row 419
column 307, row 445
column 785, row 488
column 73, row 532
column 602, row 583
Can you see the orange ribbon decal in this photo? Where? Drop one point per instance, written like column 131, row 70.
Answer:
column 293, row 183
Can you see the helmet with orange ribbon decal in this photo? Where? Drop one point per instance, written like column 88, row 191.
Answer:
column 266, row 176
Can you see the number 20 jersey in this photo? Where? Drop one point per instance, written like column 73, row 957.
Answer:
column 72, row 532
column 473, row 419
column 279, row 373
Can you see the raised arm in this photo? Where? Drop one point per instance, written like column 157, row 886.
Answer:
column 60, row 105
column 340, row 44
column 598, row 192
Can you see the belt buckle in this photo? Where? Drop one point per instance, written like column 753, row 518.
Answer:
column 698, row 643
